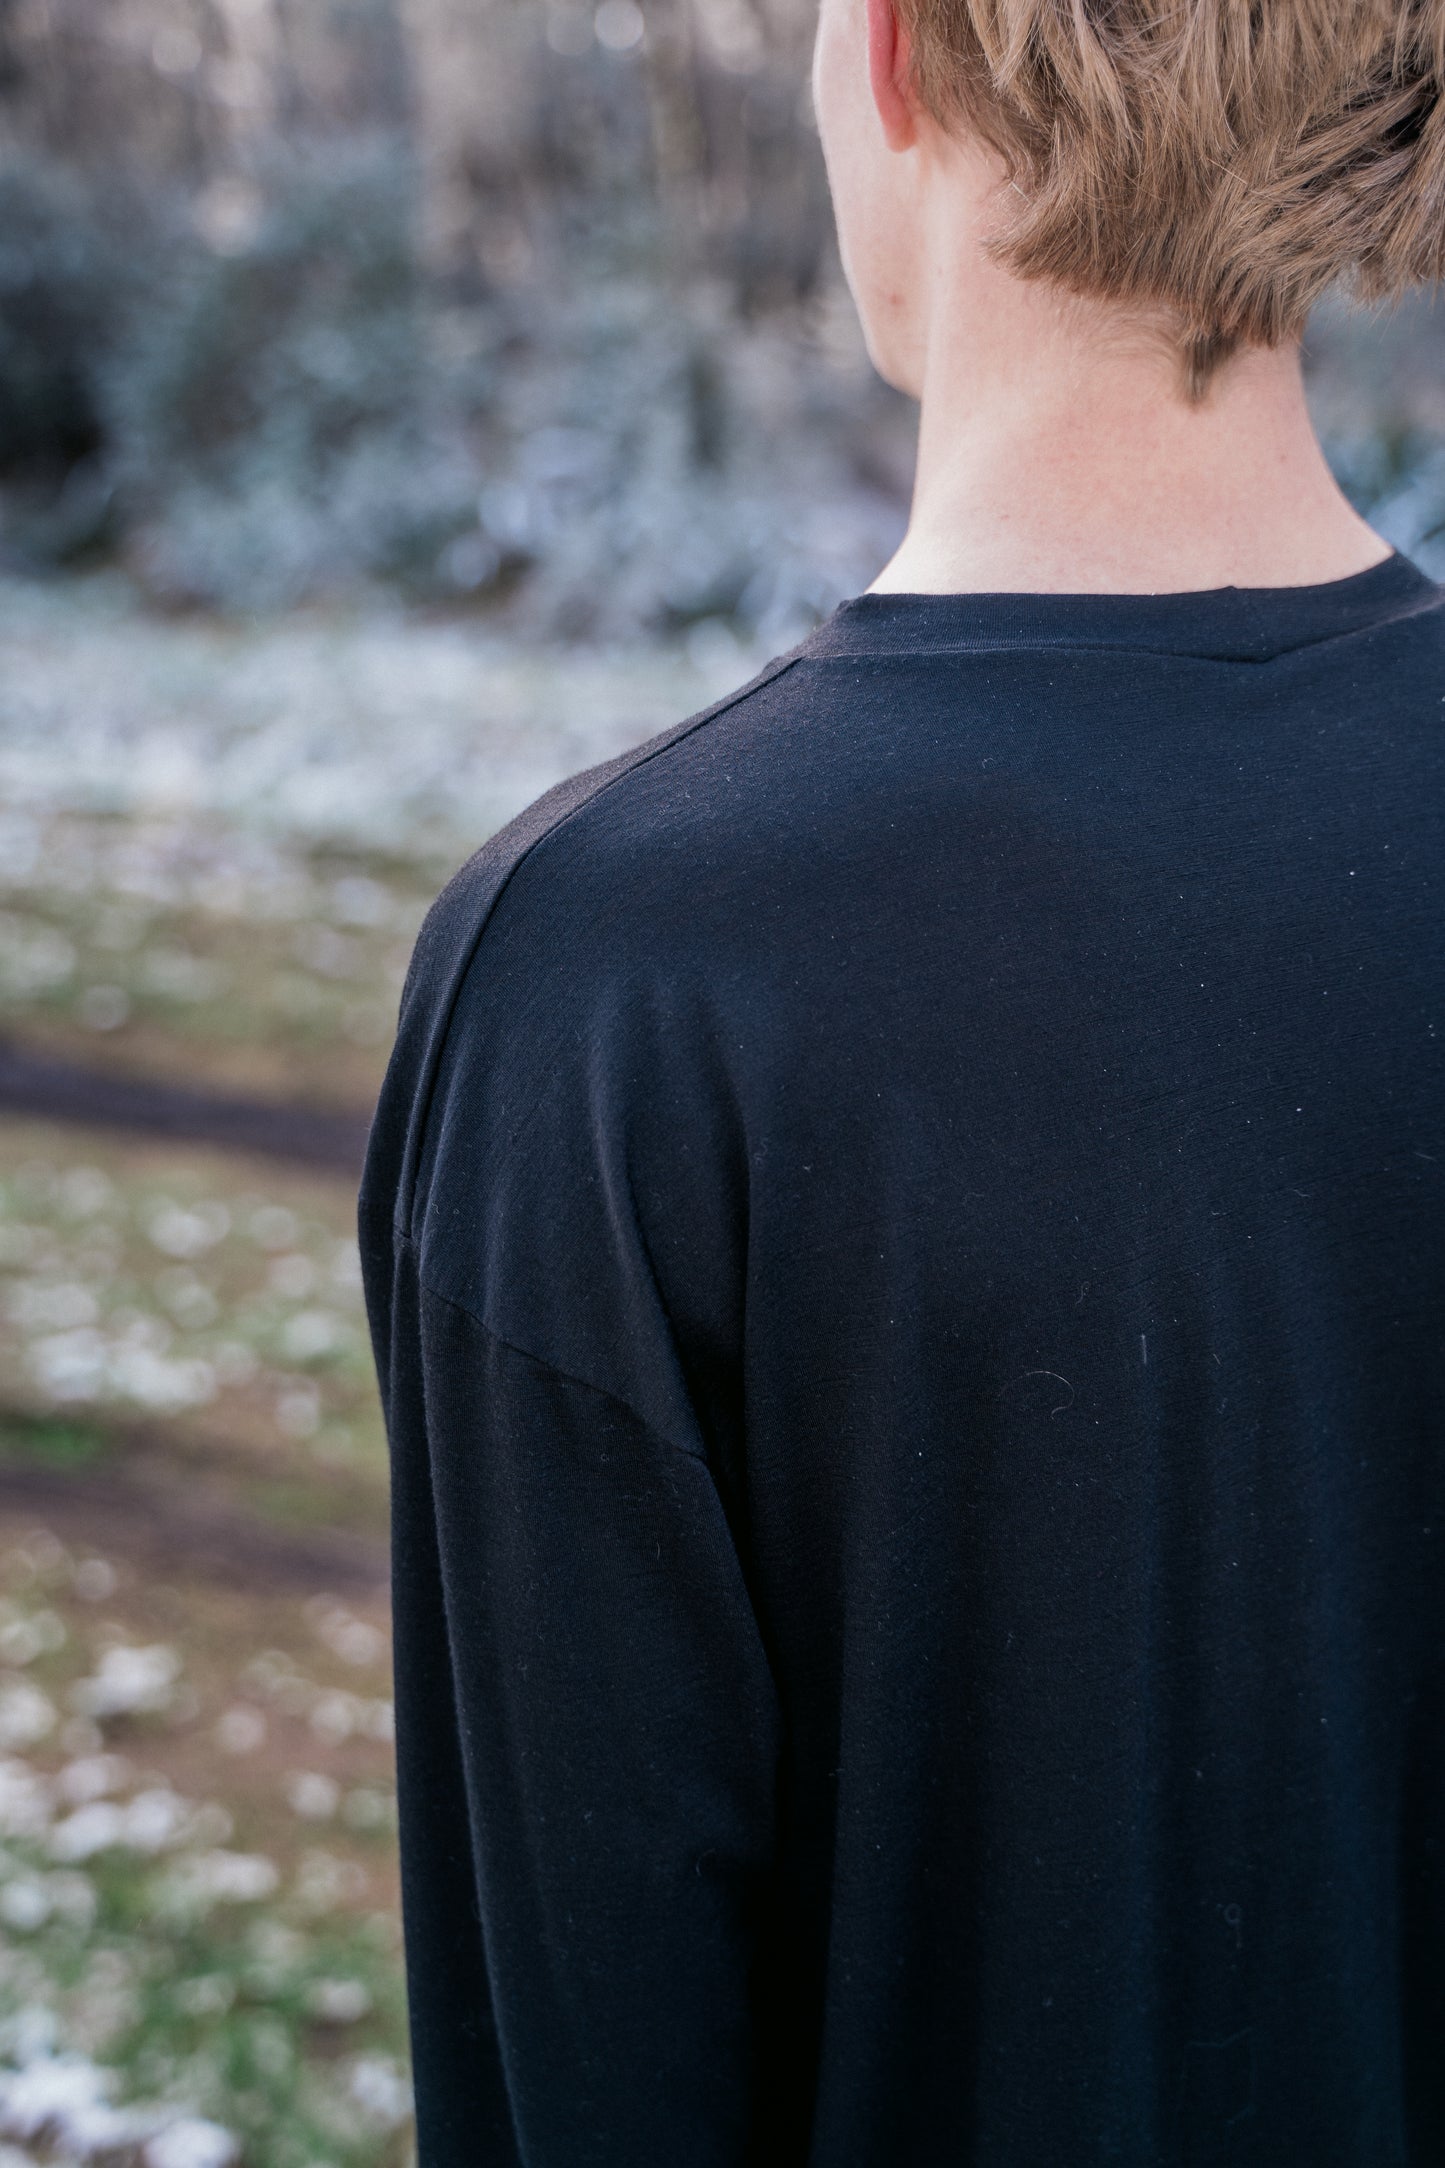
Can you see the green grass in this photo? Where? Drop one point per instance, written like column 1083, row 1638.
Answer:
column 197, row 1876
column 210, row 1298
column 278, row 2026
column 184, row 1331
column 43, row 1442
column 161, row 947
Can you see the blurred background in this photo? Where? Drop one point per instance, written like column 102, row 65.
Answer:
column 402, row 403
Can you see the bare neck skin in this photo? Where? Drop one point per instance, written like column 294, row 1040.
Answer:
column 1057, row 451
column 1058, row 454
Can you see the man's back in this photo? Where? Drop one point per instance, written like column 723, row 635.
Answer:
column 915, row 1357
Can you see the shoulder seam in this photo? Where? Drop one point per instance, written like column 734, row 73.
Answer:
column 624, row 765
column 540, row 1362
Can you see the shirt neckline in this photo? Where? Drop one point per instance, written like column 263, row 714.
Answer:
column 1244, row 624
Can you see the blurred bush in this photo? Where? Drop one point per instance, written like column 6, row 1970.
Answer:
column 1378, row 393
column 275, row 420
column 62, row 302
column 56, row 304
column 534, row 310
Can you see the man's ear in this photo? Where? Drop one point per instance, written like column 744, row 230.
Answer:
column 888, row 74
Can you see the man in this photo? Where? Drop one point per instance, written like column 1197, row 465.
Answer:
column 906, row 1229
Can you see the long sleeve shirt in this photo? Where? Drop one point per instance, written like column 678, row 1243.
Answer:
column 905, row 1241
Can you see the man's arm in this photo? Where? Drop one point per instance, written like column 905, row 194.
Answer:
column 553, row 1230
column 587, row 1740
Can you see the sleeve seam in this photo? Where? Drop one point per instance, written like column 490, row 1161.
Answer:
column 540, row 1362
column 625, row 764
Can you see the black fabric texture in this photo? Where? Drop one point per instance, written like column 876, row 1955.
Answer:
column 905, row 1243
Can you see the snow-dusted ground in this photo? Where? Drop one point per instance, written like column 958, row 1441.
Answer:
column 377, row 729
column 149, row 1952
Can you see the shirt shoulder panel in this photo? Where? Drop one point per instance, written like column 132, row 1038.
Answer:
column 448, row 941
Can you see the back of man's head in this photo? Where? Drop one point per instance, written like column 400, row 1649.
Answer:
column 1224, row 160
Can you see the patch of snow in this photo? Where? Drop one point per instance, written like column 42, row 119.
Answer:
column 338, row 2002
column 27, row 1714
column 128, row 1680
column 67, row 2099
column 206, row 1878
column 240, row 1729
column 25, row 1806
column 92, row 1776
column 192, row 2143
column 313, row 1796
column 379, row 2089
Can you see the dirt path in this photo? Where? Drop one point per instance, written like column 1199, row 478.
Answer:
column 61, row 1091
column 161, row 1521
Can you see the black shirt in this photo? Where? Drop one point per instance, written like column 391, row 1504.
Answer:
column 905, row 1236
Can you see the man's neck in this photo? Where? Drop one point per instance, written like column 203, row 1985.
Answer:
column 1058, row 455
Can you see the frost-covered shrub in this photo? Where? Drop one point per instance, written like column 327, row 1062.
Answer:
column 280, row 400
column 1379, row 403
column 274, row 420
column 65, row 294
column 58, row 304
column 653, row 462
column 612, row 454
column 292, row 323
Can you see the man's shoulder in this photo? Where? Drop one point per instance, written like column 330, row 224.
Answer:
column 588, row 887
column 597, row 836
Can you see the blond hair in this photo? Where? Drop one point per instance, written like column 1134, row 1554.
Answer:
column 1222, row 161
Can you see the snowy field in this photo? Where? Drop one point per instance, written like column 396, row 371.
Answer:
column 198, row 1933
column 217, row 841
column 376, row 732
column 199, row 1951
column 216, row 844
